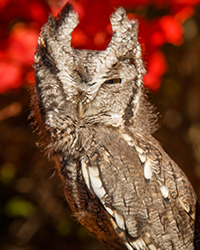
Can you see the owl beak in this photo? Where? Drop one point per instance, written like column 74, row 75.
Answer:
column 80, row 109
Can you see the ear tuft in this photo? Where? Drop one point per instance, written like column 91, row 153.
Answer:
column 63, row 14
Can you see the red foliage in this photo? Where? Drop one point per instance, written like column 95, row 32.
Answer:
column 23, row 19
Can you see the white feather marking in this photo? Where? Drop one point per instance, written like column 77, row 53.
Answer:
column 135, row 245
column 106, row 156
column 185, row 206
column 128, row 139
column 139, row 150
column 164, row 190
column 56, row 110
column 152, row 247
column 130, row 143
column 110, row 211
column 94, row 171
column 94, row 177
column 85, row 174
column 142, row 157
column 141, row 243
column 120, row 220
column 95, row 181
column 129, row 247
column 147, row 170
column 100, row 192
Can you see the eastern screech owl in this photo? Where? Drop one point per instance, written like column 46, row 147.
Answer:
column 91, row 111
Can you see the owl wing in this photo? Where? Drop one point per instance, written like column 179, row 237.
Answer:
column 149, row 200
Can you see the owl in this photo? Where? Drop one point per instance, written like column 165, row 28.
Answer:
column 96, row 124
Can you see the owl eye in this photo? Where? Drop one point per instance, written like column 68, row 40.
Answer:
column 113, row 81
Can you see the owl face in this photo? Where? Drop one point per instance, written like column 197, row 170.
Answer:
column 100, row 93
column 89, row 86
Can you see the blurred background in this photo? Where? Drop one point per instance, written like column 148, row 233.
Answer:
column 33, row 212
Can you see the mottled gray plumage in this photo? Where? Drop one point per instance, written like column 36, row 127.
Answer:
column 92, row 114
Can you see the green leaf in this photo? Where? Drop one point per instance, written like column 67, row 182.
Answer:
column 16, row 207
column 7, row 173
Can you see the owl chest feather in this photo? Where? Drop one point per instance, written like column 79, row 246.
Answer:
column 81, row 199
column 114, row 181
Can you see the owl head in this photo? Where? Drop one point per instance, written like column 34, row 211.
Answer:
column 84, row 87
